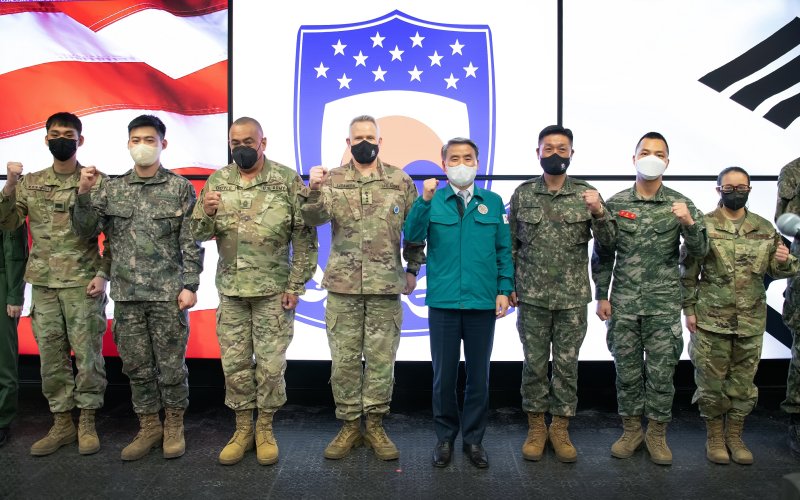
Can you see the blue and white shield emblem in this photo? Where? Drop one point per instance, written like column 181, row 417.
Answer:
column 425, row 83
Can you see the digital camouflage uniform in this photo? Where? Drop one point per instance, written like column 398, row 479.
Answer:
column 789, row 202
column 254, row 226
column 60, row 267
column 153, row 253
column 550, row 236
column 364, row 277
column 725, row 291
column 644, row 333
column 13, row 254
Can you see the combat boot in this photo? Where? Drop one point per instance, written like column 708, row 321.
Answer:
column 559, row 438
column 715, row 441
column 349, row 437
column 266, row 447
column 733, row 438
column 174, row 443
column 62, row 432
column 656, row 441
column 631, row 438
column 794, row 434
column 149, row 436
column 88, row 442
column 242, row 440
column 533, row 448
column 375, row 437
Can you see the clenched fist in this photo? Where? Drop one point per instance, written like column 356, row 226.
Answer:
column 429, row 188
column 89, row 177
column 782, row 253
column 14, row 171
column 592, row 199
column 211, row 202
column 681, row 211
column 317, row 177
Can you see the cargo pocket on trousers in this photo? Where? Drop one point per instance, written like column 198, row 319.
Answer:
column 677, row 334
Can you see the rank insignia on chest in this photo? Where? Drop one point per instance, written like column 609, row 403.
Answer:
column 247, row 204
column 59, row 206
column 366, row 197
column 483, row 209
column 626, row 214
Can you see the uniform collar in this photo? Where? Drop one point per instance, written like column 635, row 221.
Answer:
column 235, row 176
column 659, row 196
column 352, row 174
column 133, row 178
column 722, row 223
column 540, row 186
column 51, row 177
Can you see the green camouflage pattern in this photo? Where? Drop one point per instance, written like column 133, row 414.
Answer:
column 259, row 326
column 12, row 267
column 724, row 369
column 64, row 320
column 146, row 223
column 539, row 328
column 151, row 337
column 59, row 258
column 368, row 324
column 366, row 215
column 254, row 226
column 550, row 233
column 725, row 289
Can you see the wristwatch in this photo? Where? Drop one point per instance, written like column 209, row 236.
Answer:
column 192, row 288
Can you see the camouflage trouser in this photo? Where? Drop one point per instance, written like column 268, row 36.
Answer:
column 65, row 319
column 539, row 328
column 791, row 316
column 368, row 325
column 151, row 338
column 646, row 350
column 248, row 326
column 9, row 350
column 724, row 369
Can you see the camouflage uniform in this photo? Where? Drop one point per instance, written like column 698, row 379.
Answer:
column 644, row 333
column 550, row 234
column 364, row 277
column 60, row 267
column 254, row 225
column 725, row 291
column 789, row 202
column 13, row 254
column 153, row 255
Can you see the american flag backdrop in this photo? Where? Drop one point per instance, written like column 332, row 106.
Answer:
column 108, row 62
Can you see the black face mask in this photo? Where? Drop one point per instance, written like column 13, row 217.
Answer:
column 62, row 148
column 554, row 164
column 364, row 152
column 734, row 200
column 245, row 157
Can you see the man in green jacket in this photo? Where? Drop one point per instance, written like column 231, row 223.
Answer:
column 470, row 278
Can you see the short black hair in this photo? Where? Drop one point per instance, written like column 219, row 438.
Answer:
column 459, row 140
column 652, row 135
column 728, row 170
column 64, row 119
column 555, row 130
column 148, row 121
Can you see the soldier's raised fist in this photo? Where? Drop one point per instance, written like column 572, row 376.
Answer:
column 88, row 179
column 429, row 188
column 211, row 202
column 317, row 177
column 14, row 171
column 592, row 199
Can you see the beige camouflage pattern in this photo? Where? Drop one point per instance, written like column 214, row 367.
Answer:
column 254, row 226
column 146, row 223
column 366, row 216
column 59, row 258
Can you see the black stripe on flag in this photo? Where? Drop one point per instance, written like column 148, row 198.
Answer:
column 750, row 96
column 785, row 112
column 778, row 44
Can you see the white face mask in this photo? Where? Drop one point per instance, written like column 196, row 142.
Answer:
column 144, row 155
column 461, row 175
column 650, row 167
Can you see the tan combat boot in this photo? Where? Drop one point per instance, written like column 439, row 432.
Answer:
column 266, row 447
column 349, row 437
column 375, row 437
column 559, row 438
column 174, row 443
column 242, row 440
column 715, row 441
column 149, row 437
column 631, row 438
column 62, row 432
column 88, row 442
column 656, row 441
column 533, row 448
column 733, row 438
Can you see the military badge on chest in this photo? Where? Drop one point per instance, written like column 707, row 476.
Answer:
column 366, row 197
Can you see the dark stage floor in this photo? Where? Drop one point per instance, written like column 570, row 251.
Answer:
column 302, row 472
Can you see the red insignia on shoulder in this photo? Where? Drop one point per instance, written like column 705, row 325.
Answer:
column 627, row 215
